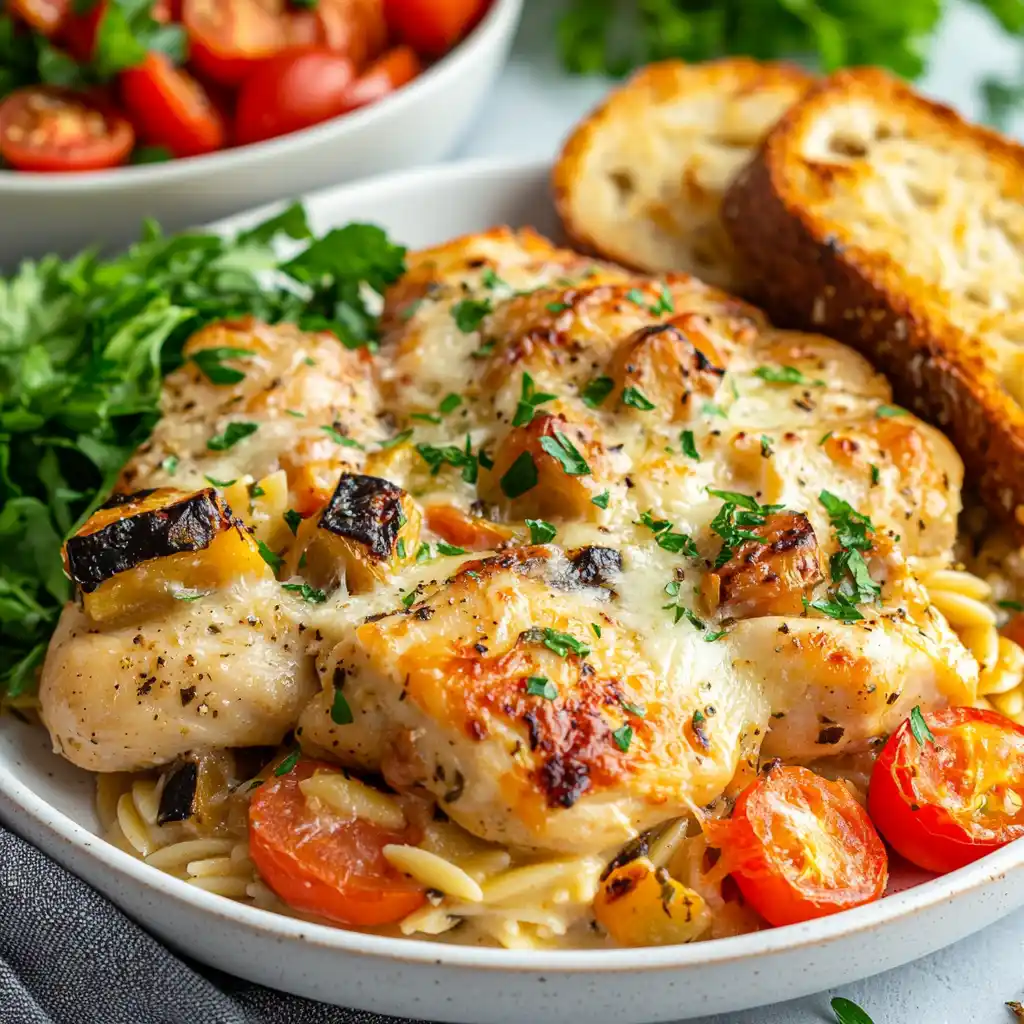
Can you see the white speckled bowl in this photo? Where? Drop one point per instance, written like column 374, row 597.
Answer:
column 418, row 125
column 50, row 803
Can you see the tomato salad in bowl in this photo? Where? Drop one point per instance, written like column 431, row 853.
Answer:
column 97, row 84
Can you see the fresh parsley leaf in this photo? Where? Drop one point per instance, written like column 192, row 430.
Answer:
column 733, row 521
column 564, row 643
column 636, row 399
column 664, row 303
column 449, row 403
column 713, row 409
column 462, row 459
column 490, row 279
column 890, row 411
column 210, row 363
column 185, row 594
column 668, row 539
column 408, row 600
column 568, row 455
column 919, row 727
column 689, row 446
column 556, row 307
column 218, row 483
column 848, row 1012
column 306, row 592
column 876, row 475
column 339, row 438
column 786, row 375
column 170, row 465
column 597, row 390
column 469, row 314
column 393, row 442
column 445, row 548
column 601, row 500
column 541, row 686
column 633, row 709
column 341, row 712
column 597, row 630
column 529, row 399
column 637, row 297
column 275, row 561
column 1011, row 606
column 839, row 607
column 295, row 414
column 623, row 737
column 423, row 554
column 541, row 532
column 234, row 432
column 520, row 477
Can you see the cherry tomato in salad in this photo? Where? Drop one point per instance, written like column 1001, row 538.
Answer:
column 432, row 27
column 948, row 787
column 386, row 74
column 43, row 128
column 354, row 28
column 45, row 16
column 171, row 108
column 799, row 846
column 294, row 90
column 322, row 864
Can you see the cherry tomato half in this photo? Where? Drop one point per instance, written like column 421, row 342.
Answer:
column 396, row 68
column 326, row 865
column 294, row 90
column 800, row 846
column 432, row 27
column 45, row 16
column 43, row 128
column 171, row 108
column 945, row 802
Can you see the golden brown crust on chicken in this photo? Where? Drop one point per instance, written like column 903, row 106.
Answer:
column 640, row 180
column 882, row 218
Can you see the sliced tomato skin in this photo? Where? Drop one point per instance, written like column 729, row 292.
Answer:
column 910, row 817
column 170, row 108
column 228, row 39
column 765, row 858
column 432, row 27
column 294, row 90
column 384, row 76
column 104, row 140
column 322, row 867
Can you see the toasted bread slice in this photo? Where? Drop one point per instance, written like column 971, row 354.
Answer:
column 640, row 181
column 883, row 219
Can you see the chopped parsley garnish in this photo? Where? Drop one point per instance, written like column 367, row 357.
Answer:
column 1011, row 606
column 890, row 410
column 423, row 554
column 218, row 483
column 600, row 500
column 410, row 311
column 274, row 561
column 449, row 455
column 393, row 442
column 210, row 363
column 296, row 414
column 293, row 519
column 713, row 409
column 341, row 713
column 449, row 403
column 490, row 279
column 636, row 296
column 623, row 737
column 306, row 592
column 664, row 303
column 875, row 475
column 520, row 477
column 766, row 446
column 847, row 567
column 597, row 630
column 484, row 350
column 919, row 727
column 233, row 433
column 711, row 637
column 288, row 763
column 568, row 455
column 529, row 399
column 825, row 437
column 557, row 307
column 400, row 547
column 541, row 686
column 339, row 438
column 444, row 548
column 425, row 417
column 408, row 599
column 541, row 531
column 734, row 518
column 596, row 391
column 170, row 465
column 636, row 399
column 689, row 446
column 484, row 459
column 189, row 595
column 469, row 314
column 563, row 643
column 786, row 375
column 633, row 709
column 666, row 538
column 839, row 607
column 848, row 1012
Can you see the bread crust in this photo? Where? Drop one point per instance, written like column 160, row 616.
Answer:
column 812, row 273
column 640, row 180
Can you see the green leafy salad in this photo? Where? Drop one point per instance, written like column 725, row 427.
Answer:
column 84, row 346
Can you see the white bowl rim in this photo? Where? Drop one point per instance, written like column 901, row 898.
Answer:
column 906, row 904
column 501, row 18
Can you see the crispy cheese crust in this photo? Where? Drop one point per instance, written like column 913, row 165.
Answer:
column 885, row 220
column 641, row 179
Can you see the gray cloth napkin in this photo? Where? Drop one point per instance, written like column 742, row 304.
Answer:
column 69, row 956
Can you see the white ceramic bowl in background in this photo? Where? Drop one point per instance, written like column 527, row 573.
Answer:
column 418, row 125
column 51, row 803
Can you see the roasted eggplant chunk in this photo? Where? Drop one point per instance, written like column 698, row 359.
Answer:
column 369, row 529
column 198, row 788
column 140, row 551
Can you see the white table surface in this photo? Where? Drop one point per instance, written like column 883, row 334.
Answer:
column 533, row 107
